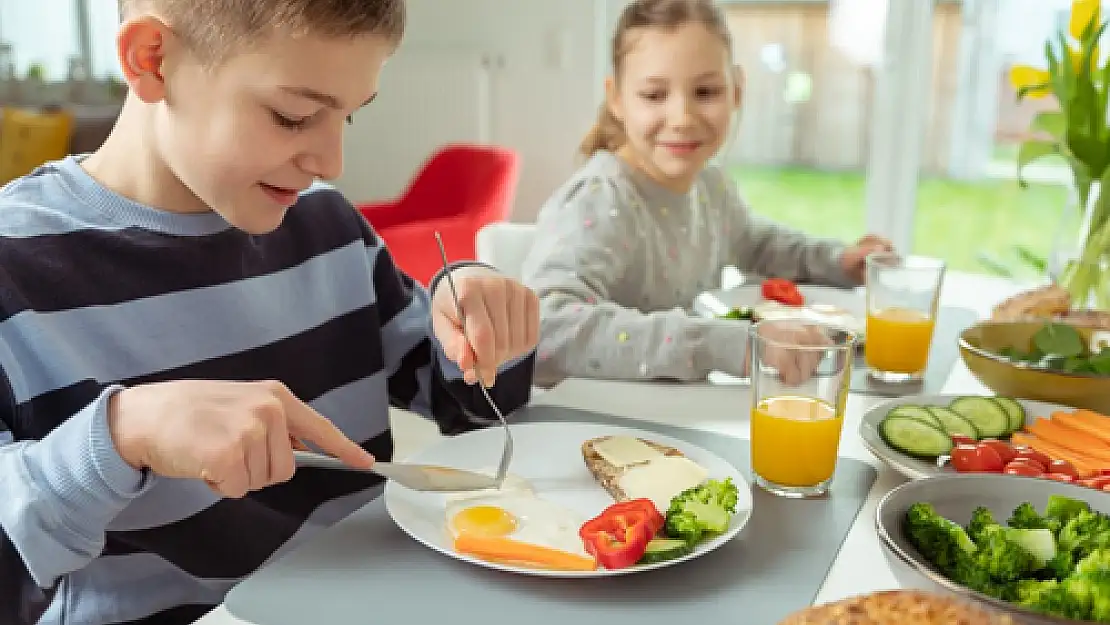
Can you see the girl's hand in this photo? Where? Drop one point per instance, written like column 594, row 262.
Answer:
column 854, row 259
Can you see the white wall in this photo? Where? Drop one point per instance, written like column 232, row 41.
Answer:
column 542, row 90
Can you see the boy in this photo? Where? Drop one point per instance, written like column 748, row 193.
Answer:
column 179, row 309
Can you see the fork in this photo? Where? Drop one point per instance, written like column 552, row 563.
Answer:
column 507, row 452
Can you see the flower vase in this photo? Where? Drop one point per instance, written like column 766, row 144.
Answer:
column 1083, row 256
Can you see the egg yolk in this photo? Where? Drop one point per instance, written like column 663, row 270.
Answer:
column 484, row 521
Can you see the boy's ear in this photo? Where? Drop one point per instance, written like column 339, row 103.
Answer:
column 141, row 46
column 613, row 99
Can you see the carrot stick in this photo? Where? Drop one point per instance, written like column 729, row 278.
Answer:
column 1073, row 421
column 1084, row 465
column 1095, row 417
column 509, row 551
column 1072, row 439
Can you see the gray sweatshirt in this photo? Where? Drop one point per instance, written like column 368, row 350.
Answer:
column 619, row 259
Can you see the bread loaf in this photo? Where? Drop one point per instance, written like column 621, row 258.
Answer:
column 899, row 607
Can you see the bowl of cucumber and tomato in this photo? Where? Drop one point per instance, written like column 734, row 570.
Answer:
column 927, row 435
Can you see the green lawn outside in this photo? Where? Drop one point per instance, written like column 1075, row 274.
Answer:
column 955, row 220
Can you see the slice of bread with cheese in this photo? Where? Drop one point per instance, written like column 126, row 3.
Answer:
column 634, row 468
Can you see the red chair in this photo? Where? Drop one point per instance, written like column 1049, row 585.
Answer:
column 460, row 189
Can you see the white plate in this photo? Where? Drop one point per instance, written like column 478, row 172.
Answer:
column 844, row 307
column 852, row 301
column 549, row 457
column 915, row 468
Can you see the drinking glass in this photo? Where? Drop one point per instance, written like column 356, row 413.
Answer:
column 799, row 390
column 903, row 295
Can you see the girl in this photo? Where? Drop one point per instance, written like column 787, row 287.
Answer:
column 624, row 247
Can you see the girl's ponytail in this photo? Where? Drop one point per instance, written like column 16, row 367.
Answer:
column 607, row 134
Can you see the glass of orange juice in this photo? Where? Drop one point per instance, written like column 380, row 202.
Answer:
column 800, row 374
column 903, row 294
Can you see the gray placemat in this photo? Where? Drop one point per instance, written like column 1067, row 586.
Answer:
column 364, row 570
column 943, row 355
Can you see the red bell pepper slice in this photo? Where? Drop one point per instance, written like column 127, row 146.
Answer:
column 654, row 517
column 782, row 291
column 617, row 539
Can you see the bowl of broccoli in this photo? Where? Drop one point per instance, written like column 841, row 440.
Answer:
column 1037, row 550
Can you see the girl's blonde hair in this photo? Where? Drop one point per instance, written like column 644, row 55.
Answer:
column 608, row 132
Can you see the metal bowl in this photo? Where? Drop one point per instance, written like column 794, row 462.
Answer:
column 955, row 497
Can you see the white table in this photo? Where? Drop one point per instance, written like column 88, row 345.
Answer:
column 860, row 566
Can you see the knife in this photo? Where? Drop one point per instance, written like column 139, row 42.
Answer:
column 419, row 477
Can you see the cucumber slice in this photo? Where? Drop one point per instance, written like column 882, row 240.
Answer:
column 914, row 437
column 920, row 413
column 663, row 549
column 954, row 423
column 1014, row 411
column 984, row 413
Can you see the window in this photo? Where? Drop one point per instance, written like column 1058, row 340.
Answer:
column 41, row 33
column 896, row 117
column 46, row 34
column 801, row 152
column 103, row 23
column 970, row 210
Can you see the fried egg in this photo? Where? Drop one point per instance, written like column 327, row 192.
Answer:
column 518, row 516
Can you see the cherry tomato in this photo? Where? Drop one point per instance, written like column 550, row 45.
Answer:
column 960, row 439
column 1062, row 466
column 1005, row 450
column 1097, row 483
column 976, row 459
column 1033, row 454
column 783, row 291
column 1025, row 467
column 1059, row 477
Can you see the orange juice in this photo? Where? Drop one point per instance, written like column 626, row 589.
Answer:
column 795, row 440
column 898, row 340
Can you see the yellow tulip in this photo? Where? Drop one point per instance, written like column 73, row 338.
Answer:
column 1083, row 12
column 1024, row 76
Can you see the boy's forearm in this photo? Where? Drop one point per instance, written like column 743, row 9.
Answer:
column 60, row 493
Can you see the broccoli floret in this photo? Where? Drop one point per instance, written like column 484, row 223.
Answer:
column 1084, row 533
column 701, row 510
column 939, row 540
column 981, row 518
column 1060, row 566
column 1084, row 594
column 723, row 494
column 684, row 526
column 1026, row 517
column 1004, row 559
column 1046, row 597
column 971, row 573
column 1064, row 508
column 1098, row 561
column 1088, row 594
column 1040, row 543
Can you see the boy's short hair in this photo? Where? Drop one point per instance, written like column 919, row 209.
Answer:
column 212, row 28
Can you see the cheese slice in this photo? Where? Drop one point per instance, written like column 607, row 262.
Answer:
column 661, row 479
column 625, row 451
